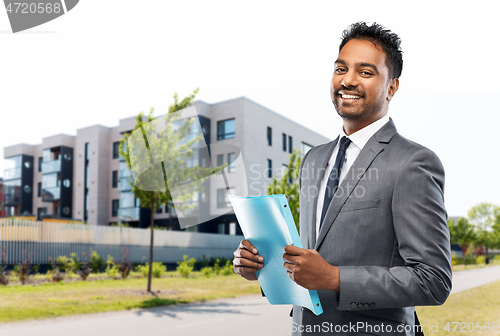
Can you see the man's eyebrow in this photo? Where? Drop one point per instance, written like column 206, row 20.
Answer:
column 361, row 64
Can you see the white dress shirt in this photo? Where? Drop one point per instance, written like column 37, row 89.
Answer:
column 359, row 140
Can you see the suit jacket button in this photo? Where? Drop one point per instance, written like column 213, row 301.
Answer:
column 360, row 305
column 302, row 308
column 353, row 305
column 366, row 305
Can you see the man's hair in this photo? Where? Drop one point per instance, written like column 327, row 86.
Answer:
column 379, row 36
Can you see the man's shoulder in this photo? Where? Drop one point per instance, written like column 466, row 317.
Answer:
column 409, row 149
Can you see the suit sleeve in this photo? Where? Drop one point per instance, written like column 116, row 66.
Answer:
column 423, row 242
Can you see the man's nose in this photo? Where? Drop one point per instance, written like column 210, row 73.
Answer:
column 350, row 79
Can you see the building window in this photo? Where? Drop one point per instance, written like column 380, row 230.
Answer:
column 269, row 168
column 269, row 136
column 283, row 138
column 116, row 153
column 220, row 228
column 290, row 144
column 232, row 228
column 231, row 161
column 114, row 184
column 305, row 148
column 39, row 190
column 225, row 129
column 40, row 212
column 223, row 198
column 40, row 161
column 220, row 160
column 86, row 185
column 115, row 205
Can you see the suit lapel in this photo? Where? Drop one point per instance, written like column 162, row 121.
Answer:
column 320, row 164
column 365, row 158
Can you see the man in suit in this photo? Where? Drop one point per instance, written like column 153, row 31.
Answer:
column 372, row 215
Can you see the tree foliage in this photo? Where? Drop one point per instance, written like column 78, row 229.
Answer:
column 169, row 142
column 288, row 184
column 484, row 217
column 461, row 232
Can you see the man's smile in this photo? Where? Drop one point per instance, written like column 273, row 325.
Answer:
column 349, row 97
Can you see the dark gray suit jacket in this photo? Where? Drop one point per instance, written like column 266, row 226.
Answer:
column 386, row 230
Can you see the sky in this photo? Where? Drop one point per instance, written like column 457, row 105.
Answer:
column 108, row 60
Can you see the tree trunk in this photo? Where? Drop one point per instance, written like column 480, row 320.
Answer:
column 150, row 273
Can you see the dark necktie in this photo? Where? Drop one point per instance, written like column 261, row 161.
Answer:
column 333, row 179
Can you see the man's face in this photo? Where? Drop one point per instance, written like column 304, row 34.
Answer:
column 360, row 85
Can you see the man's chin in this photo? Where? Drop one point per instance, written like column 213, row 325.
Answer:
column 349, row 115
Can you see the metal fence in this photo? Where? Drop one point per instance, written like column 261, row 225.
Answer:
column 46, row 240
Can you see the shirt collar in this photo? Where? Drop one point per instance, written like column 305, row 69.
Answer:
column 361, row 137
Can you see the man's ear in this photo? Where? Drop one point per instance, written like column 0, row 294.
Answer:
column 393, row 87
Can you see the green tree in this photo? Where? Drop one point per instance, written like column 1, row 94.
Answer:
column 484, row 217
column 288, row 184
column 461, row 232
column 153, row 191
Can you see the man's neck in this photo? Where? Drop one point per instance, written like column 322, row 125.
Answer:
column 352, row 126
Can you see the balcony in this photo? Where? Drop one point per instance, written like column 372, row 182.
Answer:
column 53, row 166
column 12, row 173
column 11, row 199
column 129, row 214
column 125, row 182
column 51, row 194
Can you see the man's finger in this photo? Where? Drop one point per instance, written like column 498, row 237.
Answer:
column 289, row 258
column 245, row 244
column 247, row 262
column 293, row 250
column 289, row 267
column 240, row 253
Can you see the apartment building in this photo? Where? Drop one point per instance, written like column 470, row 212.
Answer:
column 83, row 177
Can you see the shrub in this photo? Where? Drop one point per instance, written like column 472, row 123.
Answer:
column 25, row 268
column 481, row 259
column 185, row 266
column 62, row 263
column 96, row 262
column 228, row 268
column 456, row 260
column 207, row 271
column 84, row 268
column 125, row 266
column 217, row 267
column 4, row 274
column 76, row 264
column 111, row 269
column 144, row 269
column 159, row 269
column 54, row 274
column 35, row 269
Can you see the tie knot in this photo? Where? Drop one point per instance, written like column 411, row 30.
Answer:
column 344, row 143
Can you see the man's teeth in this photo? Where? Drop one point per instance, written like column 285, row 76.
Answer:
column 350, row 97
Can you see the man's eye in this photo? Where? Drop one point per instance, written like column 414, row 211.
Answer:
column 367, row 73
column 339, row 70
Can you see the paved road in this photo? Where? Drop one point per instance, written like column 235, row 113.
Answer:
column 464, row 280
column 244, row 316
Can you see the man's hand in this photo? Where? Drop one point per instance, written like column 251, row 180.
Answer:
column 308, row 269
column 246, row 261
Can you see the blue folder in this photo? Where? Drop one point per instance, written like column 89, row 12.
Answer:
column 267, row 222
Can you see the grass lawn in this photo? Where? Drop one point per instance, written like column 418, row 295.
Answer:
column 29, row 302
column 481, row 304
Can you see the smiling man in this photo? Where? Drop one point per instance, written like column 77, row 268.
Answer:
column 372, row 215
